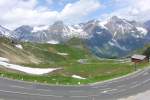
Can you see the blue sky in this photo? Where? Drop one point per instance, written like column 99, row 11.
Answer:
column 46, row 12
column 58, row 5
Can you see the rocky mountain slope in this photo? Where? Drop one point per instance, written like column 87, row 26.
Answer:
column 114, row 37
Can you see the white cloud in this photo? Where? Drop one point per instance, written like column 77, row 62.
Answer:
column 29, row 12
column 79, row 9
column 132, row 9
column 21, row 16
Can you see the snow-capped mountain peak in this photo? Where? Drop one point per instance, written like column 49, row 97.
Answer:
column 103, row 23
column 5, row 32
column 77, row 31
column 112, row 36
column 142, row 30
column 121, row 28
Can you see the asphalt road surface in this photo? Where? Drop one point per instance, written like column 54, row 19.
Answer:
column 110, row 90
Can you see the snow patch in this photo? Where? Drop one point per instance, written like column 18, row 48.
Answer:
column 39, row 28
column 118, row 45
column 142, row 30
column 122, row 28
column 115, row 33
column 103, row 23
column 62, row 54
column 5, row 32
column 78, row 77
column 19, row 46
column 111, row 43
column 99, row 33
column 35, row 71
column 82, row 61
column 4, row 59
column 77, row 31
column 53, row 42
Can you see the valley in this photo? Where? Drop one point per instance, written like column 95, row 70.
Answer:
column 70, row 59
column 74, row 49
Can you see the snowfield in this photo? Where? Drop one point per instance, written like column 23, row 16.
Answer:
column 53, row 42
column 78, row 77
column 62, row 54
column 28, row 70
column 142, row 30
column 3, row 59
column 103, row 23
column 19, row 46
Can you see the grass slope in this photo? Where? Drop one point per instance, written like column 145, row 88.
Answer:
column 78, row 61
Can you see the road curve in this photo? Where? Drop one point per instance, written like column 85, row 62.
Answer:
column 111, row 90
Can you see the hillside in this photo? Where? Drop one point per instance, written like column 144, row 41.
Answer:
column 42, row 54
column 75, row 62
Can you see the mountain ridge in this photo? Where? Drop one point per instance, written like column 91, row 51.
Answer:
column 111, row 37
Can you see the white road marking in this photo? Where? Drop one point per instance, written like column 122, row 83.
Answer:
column 120, row 86
column 105, row 89
column 43, row 90
column 79, row 96
column 104, row 85
column 134, row 82
column 136, row 85
column 136, row 75
column 24, row 93
column 145, row 81
column 108, row 90
column 15, row 86
column 120, row 79
column 123, row 90
column 146, row 73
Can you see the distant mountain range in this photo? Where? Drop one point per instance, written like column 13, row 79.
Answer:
column 114, row 37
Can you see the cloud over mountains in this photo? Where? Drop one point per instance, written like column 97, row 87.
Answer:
column 37, row 12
